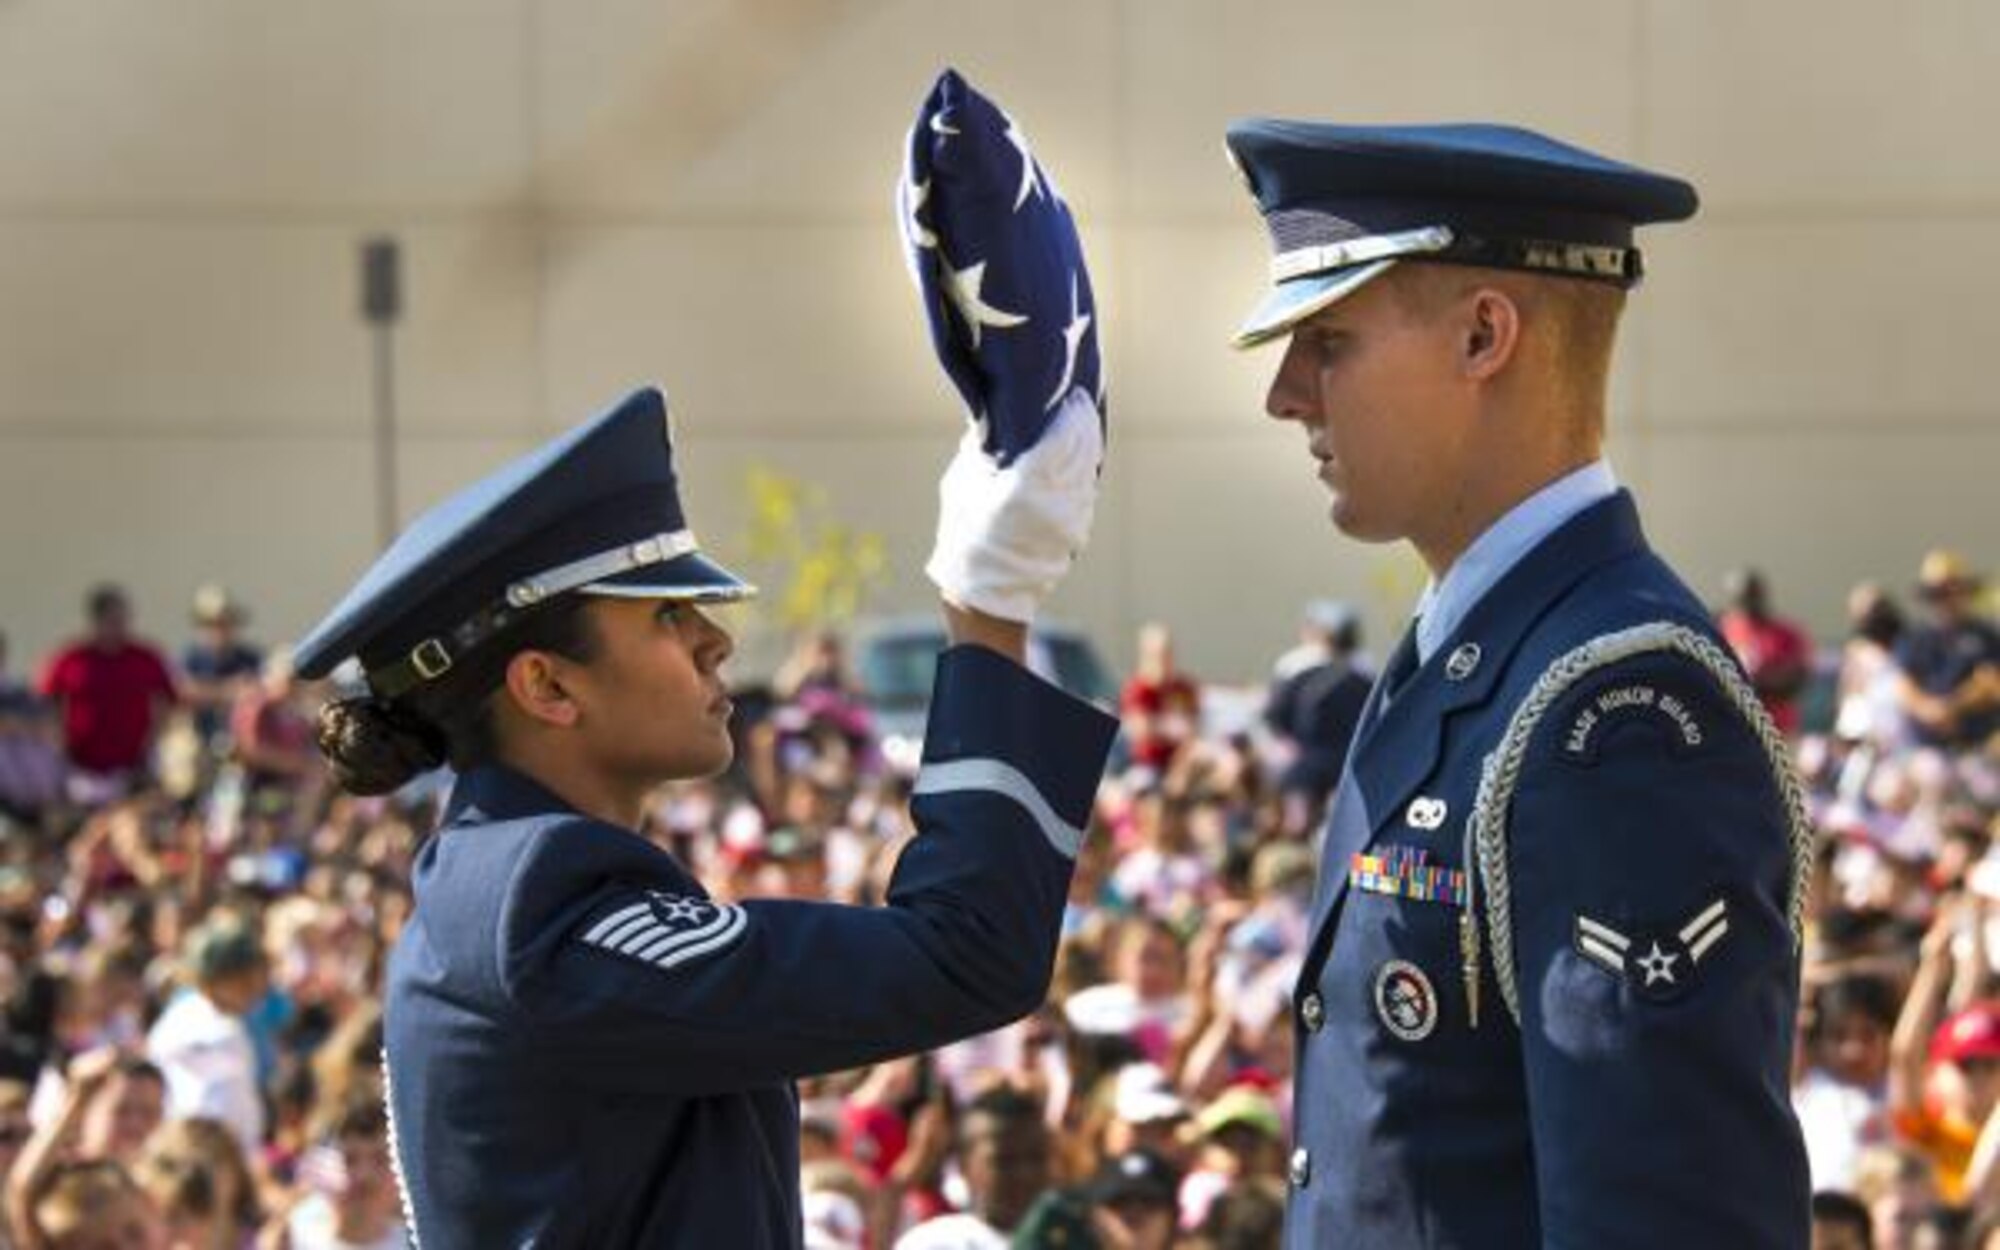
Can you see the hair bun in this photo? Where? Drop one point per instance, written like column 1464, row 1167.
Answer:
column 376, row 746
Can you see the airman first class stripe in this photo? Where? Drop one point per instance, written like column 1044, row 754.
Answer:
column 999, row 777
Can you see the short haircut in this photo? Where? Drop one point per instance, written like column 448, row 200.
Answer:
column 1577, row 318
column 1003, row 1105
column 103, row 597
column 1833, row 1206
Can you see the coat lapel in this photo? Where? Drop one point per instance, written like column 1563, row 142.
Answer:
column 1396, row 749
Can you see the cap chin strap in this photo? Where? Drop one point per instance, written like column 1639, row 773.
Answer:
column 1619, row 266
column 433, row 657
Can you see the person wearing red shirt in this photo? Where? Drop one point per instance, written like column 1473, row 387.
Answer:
column 112, row 690
column 1160, row 704
column 1776, row 654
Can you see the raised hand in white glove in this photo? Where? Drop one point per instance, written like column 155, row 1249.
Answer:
column 1006, row 536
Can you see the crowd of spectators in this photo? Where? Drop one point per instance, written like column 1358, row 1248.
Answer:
column 193, row 927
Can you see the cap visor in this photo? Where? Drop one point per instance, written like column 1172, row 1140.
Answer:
column 1292, row 301
column 693, row 577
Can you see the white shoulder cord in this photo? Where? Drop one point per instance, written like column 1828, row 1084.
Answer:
column 1501, row 774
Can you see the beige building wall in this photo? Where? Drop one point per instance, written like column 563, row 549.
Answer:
column 591, row 193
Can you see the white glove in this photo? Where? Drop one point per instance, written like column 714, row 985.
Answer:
column 1006, row 536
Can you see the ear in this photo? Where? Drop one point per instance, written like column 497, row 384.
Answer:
column 534, row 685
column 1492, row 330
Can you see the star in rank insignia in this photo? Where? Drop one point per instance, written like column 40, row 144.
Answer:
column 1659, row 966
column 667, row 930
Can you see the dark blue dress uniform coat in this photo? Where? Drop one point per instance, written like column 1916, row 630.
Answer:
column 1613, row 1072
column 585, row 1051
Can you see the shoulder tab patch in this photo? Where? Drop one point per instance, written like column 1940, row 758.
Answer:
column 666, row 930
column 1604, row 711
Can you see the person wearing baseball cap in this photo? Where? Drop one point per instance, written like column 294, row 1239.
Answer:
column 1943, row 1092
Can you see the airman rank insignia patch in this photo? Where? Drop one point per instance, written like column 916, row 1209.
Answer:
column 667, row 930
column 1659, row 966
column 1405, row 1000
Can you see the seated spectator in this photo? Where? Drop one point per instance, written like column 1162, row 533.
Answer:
column 1898, row 1185
column 1950, row 663
column 1840, row 1222
column 1249, row 1215
column 1314, row 709
column 1145, row 1001
column 1161, row 873
column 1867, row 710
column 1004, row 1154
column 1160, row 704
column 271, row 730
column 1133, row 1196
column 200, row 1178
column 219, row 666
column 1147, row 1114
column 1776, row 653
column 56, row 1201
column 112, row 690
column 352, row 1203
column 200, row 1041
column 31, row 760
column 1842, row 1099
column 1241, row 1134
column 125, row 1112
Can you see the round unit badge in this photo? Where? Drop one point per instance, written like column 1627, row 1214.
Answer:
column 1405, row 1000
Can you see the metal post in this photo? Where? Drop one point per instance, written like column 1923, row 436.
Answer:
column 381, row 304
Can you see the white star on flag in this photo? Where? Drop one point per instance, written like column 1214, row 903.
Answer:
column 1079, row 325
column 1030, row 177
column 963, row 289
column 913, row 196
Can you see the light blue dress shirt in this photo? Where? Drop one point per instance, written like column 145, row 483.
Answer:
column 1446, row 602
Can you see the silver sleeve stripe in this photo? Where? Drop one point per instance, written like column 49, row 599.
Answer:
column 1500, row 774
column 617, row 936
column 1707, row 917
column 999, row 777
column 1603, row 954
column 1603, row 933
column 601, row 931
column 664, row 939
column 1707, row 940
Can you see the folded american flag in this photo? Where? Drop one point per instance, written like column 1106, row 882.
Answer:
column 999, row 267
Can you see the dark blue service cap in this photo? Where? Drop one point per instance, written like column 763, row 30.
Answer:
column 596, row 511
column 1344, row 203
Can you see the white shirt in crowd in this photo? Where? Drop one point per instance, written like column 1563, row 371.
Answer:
column 210, row 1066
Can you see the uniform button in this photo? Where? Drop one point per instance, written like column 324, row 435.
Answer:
column 1302, row 1167
column 1312, row 1012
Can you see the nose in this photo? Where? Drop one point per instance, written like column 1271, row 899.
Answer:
column 1290, row 396
column 715, row 645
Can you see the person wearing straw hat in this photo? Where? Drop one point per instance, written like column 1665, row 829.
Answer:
column 1549, row 993
column 1950, row 685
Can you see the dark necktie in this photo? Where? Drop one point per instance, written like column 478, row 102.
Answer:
column 1402, row 666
